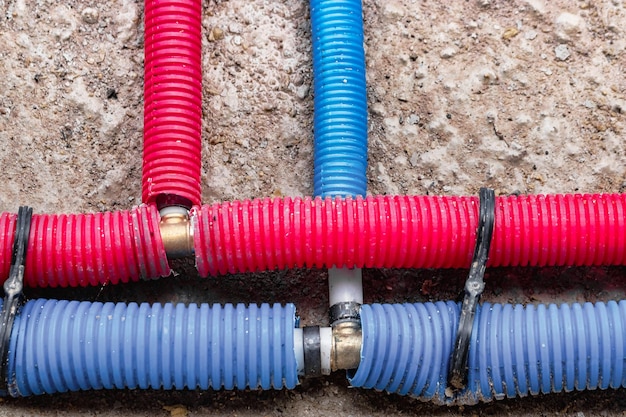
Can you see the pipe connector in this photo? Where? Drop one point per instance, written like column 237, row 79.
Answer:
column 345, row 320
column 346, row 345
column 176, row 232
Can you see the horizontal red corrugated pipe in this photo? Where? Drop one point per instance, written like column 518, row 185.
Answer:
column 88, row 249
column 407, row 232
column 172, row 102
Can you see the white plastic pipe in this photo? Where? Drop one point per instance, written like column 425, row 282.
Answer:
column 345, row 284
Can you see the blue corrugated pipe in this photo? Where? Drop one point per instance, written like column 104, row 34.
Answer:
column 514, row 350
column 340, row 117
column 59, row 346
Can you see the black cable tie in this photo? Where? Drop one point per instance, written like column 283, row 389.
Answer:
column 474, row 286
column 13, row 289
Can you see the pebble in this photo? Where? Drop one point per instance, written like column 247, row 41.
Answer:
column 235, row 28
column 413, row 119
column 567, row 26
column 488, row 75
column 510, row 33
column 523, row 119
column 378, row 109
column 420, row 73
column 589, row 104
column 393, row 10
column 90, row 15
column 448, row 52
column 537, row 6
column 549, row 126
column 530, row 35
column 177, row 410
column 216, row 34
column 302, row 91
column 561, row 52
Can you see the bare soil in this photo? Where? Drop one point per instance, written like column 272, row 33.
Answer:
column 523, row 97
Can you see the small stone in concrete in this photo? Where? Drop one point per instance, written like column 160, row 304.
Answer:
column 510, row 33
column 561, row 52
column 589, row 104
column 530, row 35
column 302, row 91
column 413, row 119
column 216, row 34
column 393, row 10
column 90, row 15
column 378, row 109
column 448, row 53
column 420, row 72
column 567, row 26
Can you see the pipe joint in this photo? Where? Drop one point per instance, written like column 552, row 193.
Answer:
column 176, row 232
column 316, row 351
column 346, row 345
column 344, row 311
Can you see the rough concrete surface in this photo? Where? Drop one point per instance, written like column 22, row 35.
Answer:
column 524, row 97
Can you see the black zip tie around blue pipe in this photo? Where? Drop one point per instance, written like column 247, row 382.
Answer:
column 474, row 287
column 13, row 287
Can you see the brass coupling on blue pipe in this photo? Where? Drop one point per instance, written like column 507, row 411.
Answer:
column 347, row 339
column 322, row 350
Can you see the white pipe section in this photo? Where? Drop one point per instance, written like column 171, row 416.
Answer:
column 298, row 347
column 345, row 284
column 326, row 342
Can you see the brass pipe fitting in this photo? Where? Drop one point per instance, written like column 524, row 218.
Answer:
column 346, row 345
column 176, row 232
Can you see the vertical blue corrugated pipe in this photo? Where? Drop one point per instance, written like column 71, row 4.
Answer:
column 340, row 118
column 59, row 346
column 514, row 350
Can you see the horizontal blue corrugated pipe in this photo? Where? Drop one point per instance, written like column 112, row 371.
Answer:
column 340, row 114
column 59, row 346
column 514, row 350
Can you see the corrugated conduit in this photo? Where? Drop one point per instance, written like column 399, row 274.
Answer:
column 407, row 232
column 59, row 346
column 514, row 350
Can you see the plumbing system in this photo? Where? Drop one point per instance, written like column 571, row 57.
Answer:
column 55, row 346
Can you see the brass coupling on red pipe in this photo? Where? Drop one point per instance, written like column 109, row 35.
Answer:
column 176, row 232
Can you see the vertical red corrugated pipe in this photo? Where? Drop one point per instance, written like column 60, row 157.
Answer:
column 407, row 232
column 88, row 249
column 172, row 102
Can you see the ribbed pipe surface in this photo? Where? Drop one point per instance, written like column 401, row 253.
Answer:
column 340, row 114
column 60, row 346
column 514, row 350
column 172, row 102
column 407, row 232
column 88, row 249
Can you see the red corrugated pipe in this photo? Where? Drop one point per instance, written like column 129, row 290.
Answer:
column 377, row 232
column 407, row 232
column 172, row 103
column 88, row 249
